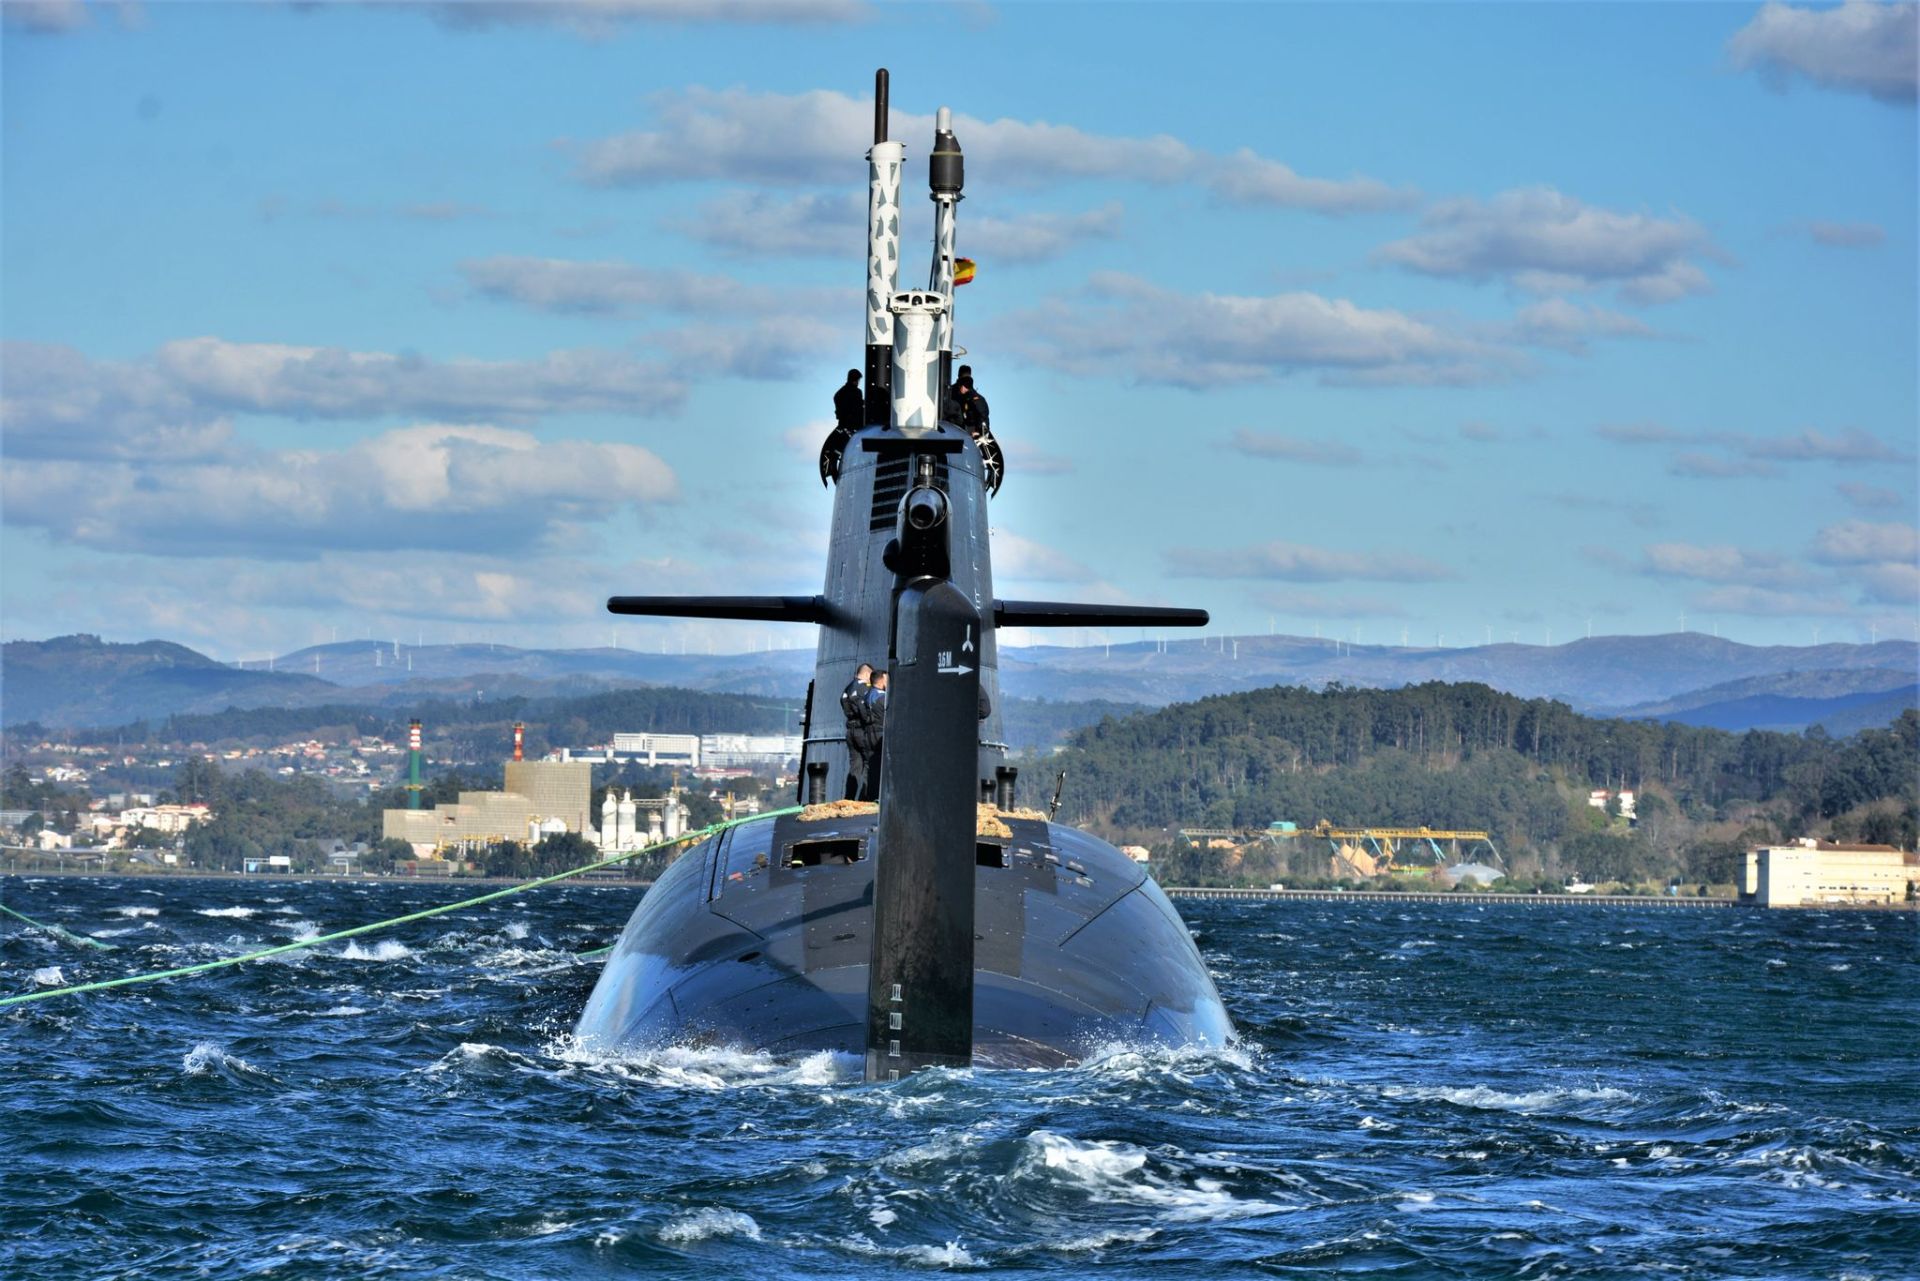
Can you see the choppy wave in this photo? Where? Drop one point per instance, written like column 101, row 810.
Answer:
column 703, row 1224
column 384, row 950
column 1433, row 1090
column 240, row 912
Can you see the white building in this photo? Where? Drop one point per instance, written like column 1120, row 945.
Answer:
column 1810, row 873
column 750, row 751
column 165, row 818
column 629, row 824
column 658, row 749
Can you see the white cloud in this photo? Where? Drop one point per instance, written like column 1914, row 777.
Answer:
column 1120, row 326
column 1545, row 242
column 57, row 403
column 817, row 137
column 1873, row 497
column 1765, row 602
column 1860, row 47
column 1857, row 542
column 1299, row 604
column 563, row 285
column 1722, row 564
column 600, row 19
column 1022, row 559
column 1027, row 459
column 1849, row 446
column 1299, row 563
column 45, row 17
column 330, row 382
column 443, row 487
column 1716, row 466
column 759, row 224
column 61, row 404
column 1569, row 326
column 1294, row 449
column 1892, row 583
column 1847, row 235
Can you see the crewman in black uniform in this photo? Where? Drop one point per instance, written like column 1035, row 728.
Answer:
column 876, row 734
column 972, row 405
column 848, row 405
column 853, row 702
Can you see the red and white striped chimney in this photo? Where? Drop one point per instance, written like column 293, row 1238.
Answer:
column 519, row 740
column 413, row 736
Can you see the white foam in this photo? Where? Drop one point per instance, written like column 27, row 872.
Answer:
column 1101, row 1240
column 138, row 911
column 1116, row 1172
column 516, row 929
column 385, row 950
column 341, row 1012
column 1481, row 1096
column 708, row 1067
column 49, row 976
column 241, row 912
column 710, row 1222
column 207, row 1057
column 950, row 1255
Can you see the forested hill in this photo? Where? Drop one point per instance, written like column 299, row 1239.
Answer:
column 1459, row 755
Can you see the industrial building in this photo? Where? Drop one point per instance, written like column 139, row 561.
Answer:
column 542, row 798
column 750, row 751
column 1810, row 873
column 658, row 749
column 627, row 824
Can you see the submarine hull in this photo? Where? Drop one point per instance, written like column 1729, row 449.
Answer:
column 761, row 938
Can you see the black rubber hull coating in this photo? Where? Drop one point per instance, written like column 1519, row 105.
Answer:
column 1076, row 950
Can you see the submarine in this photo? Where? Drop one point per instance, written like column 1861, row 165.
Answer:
column 944, row 925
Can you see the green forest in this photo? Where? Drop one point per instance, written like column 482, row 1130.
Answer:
column 1468, row 756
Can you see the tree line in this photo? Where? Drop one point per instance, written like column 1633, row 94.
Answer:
column 1469, row 756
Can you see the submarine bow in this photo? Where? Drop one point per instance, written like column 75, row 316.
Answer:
column 944, row 925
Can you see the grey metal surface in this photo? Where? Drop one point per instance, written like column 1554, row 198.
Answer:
column 1076, row 949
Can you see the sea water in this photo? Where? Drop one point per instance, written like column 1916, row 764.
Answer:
column 1422, row 1090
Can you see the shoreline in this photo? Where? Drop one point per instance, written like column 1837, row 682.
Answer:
column 283, row 878
column 1248, row 893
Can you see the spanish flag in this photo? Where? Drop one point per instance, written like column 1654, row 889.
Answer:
column 962, row 272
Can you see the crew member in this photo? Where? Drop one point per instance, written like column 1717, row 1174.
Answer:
column 853, row 702
column 972, row 405
column 876, row 732
column 848, row 405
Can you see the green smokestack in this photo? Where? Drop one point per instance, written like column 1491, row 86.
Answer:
column 413, row 764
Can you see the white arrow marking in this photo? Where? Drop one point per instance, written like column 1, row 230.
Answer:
column 955, row 671
column 968, row 647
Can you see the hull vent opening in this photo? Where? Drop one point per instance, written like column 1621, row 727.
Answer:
column 828, row 853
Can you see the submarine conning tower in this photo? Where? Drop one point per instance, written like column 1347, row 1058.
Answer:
column 909, row 589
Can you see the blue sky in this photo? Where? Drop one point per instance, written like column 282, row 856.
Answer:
column 1443, row 322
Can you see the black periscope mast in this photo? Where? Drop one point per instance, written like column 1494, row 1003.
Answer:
column 944, row 926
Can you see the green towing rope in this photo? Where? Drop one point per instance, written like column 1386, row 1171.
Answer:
column 337, row 935
column 57, row 931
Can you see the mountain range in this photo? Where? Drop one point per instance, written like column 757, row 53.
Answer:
column 1689, row 677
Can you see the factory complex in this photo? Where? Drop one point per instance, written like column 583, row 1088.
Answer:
column 546, row 798
column 1810, row 873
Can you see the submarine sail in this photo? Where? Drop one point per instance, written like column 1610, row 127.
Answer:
column 943, row 925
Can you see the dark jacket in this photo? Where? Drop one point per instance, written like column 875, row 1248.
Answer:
column 861, row 722
column 849, row 407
